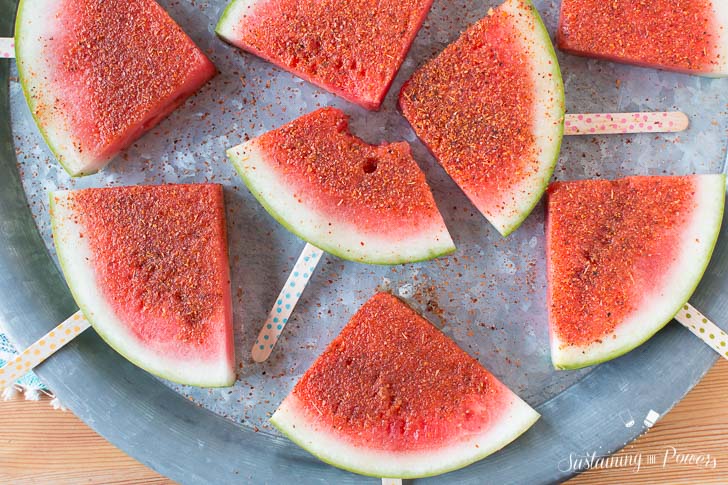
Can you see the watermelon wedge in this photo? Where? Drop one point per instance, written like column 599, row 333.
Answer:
column 623, row 257
column 392, row 396
column 689, row 36
column 352, row 48
column 98, row 74
column 148, row 266
column 357, row 201
column 490, row 107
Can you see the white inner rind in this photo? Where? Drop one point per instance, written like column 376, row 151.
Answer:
column 76, row 260
column 232, row 17
column 297, row 423
column 660, row 304
column 548, row 116
column 32, row 33
column 337, row 237
column 720, row 9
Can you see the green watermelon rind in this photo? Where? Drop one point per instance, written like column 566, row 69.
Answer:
column 24, row 83
column 529, row 418
column 65, row 268
column 226, row 20
column 539, row 186
column 680, row 300
column 444, row 248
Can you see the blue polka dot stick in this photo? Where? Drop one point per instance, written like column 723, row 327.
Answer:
column 706, row 330
column 286, row 301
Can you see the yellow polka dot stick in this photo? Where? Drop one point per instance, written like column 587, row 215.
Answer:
column 42, row 349
column 708, row 331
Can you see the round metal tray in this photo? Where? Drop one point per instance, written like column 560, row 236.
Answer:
column 489, row 296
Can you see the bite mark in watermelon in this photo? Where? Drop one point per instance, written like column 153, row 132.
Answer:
column 148, row 266
column 623, row 257
column 98, row 74
column 688, row 36
column 392, row 396
column 352, row 48
column 357, row 201
column 490, row 107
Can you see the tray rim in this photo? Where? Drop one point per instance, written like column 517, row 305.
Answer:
column 157, row 426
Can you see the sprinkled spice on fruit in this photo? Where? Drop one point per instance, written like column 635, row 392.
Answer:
column 609, row 229
column 474, row 111
column 358, row 373
column 159, row 249
column 125, row 57
column 353, row 48
column 678, row 34
column 349, row 172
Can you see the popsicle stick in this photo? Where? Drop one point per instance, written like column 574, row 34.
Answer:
column 706, row 330
column 621, row 123
column 391, row 481
column 286, row 301
column 7, row 47
column 43, row 348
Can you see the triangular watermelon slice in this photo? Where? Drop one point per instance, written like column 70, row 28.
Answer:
column 689, row 36
column 490, row 107
column 623, row 257
column 148, row 266
column 357, row 201
column 352, row 48
column 98, row 74
column 392, row 396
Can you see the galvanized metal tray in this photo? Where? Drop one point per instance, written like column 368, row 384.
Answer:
column 489, row 296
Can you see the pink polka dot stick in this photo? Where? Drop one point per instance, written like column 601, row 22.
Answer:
column 7, row 47
column 704, row 329
column 287, row 299
column 42, row 349
column 622, row 123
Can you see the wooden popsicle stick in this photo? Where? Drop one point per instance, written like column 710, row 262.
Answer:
column 43, row 348
column 286, row 301
column 7, row 47
column 622, row 123
column 704, row 329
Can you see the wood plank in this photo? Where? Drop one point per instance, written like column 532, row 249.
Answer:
column 41, row 445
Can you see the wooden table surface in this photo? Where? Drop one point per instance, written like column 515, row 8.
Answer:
column 41, row 445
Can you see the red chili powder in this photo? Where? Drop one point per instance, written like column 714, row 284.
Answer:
column 673, row 34
column 160, row 255
column 375, row 188
column 118, row 63
column 473, row 107
column 392, row 381
column 609, row 244
column 352, row 48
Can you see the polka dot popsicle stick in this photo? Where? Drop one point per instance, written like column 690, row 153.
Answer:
column 391, row 481
column 287, row 299
column 706, row 330
column 7, row 47
column 621, row 123
column 42, row 349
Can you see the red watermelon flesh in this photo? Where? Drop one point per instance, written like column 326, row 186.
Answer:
column 623, row 257
column 98, row 74
column 681, row 35
column 490, row 108
column 358, row 201
column 393, row 396
column 352, row 48
column 148, row 266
